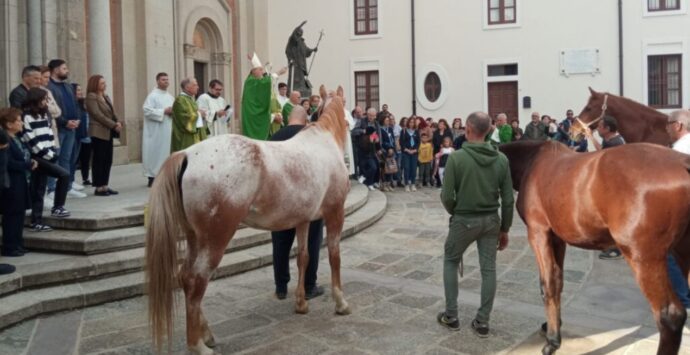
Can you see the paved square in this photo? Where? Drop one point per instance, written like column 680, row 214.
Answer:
column 393, row 281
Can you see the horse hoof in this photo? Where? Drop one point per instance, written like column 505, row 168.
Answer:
column 549, row 349
column 302, row 310
column 343, row 312
column 211, row 343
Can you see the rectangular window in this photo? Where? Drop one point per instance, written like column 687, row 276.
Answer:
column 367, row 89
column 503, row 70
column 664, row 85
column 366, row 17
column 501, row 12
column 663, row 5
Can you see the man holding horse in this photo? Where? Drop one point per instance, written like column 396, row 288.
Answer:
column 472, row 177
column 608, row 130
column 678, row 128
column 282, row 240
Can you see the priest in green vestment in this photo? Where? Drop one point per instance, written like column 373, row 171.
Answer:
column 189, row 127
column 259, row 108
column 295, row 98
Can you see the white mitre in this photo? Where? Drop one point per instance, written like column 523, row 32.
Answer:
column 256, row 63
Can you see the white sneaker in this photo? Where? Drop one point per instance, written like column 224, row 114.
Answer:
column 361, row 179
column 77, row 187
column 371, row 187
column 414, row 188
column 75, row 194
column 376, row 185
column 407, row 188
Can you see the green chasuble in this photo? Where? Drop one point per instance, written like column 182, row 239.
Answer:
column 275, row 108
column 505, row 133
column 287, row 109
column 184, row 118
column 256, row 107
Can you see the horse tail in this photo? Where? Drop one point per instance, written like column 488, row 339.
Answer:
column 166, row 216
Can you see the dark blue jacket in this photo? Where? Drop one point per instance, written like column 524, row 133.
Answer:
column 15, row 198
column 408, row 141
column 66, row 98
column 387, row 139
column 4, row 178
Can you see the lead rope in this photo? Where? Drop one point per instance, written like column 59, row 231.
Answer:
column 603, row 113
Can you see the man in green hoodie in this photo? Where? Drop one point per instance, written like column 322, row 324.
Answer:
column 476, row 177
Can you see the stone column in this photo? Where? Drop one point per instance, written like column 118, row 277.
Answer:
column 35, row 32
column 100, row 42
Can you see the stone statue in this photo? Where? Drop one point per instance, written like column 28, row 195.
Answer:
column 297, row 53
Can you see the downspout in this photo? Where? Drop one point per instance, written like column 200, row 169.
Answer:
column 176, row 64
column 414, row 60
column 620, row 47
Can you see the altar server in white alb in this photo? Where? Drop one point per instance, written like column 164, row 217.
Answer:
column 157, row 127
column 218, row 112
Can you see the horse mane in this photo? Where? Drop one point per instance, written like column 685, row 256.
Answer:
column 638, row 107
column 332, row 118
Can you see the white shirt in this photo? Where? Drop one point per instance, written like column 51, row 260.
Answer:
column 157, row 131
column 282, row 99
column 217, row 124
column 683, row 144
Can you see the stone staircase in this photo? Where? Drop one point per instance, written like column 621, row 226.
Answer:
column 97, row 255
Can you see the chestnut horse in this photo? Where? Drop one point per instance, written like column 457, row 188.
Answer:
column 205, row 191
column 635, row 196
column 637, row 123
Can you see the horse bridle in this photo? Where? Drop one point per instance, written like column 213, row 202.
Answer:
column 603, row 113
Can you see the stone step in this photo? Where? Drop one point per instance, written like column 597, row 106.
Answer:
column 40, row 270
column 29, row 303
column 91, row 242
column 99, row 213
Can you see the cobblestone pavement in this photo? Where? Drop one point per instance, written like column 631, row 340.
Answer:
column 393, row 281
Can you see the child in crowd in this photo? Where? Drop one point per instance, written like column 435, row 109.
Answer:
column 15, row 198
column 390, row 169
column 442, row 157
column 426, row 154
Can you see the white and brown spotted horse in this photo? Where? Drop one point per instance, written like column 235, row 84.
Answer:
column 205, row 191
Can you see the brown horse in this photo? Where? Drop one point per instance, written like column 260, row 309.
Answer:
column 637, row 123
column 205, row 191
column 635, row 196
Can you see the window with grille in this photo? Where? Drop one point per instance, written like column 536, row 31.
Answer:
column 367, row 89
column 663, row 5
column 366, row 17
column 664, row 85
column 502, row 11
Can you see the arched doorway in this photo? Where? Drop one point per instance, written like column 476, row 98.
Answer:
column 205, row 57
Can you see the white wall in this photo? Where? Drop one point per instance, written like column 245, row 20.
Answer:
column 340, row 53
column 462, row 45
column 649, row 34
column 453, row 38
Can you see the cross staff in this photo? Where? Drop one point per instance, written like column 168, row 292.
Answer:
column 314, row 56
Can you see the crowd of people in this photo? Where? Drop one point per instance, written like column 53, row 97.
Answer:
column 52, row 128
column 413, row 152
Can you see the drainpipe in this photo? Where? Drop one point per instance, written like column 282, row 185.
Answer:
column 414, row 61
column 620, row 47
column 176, row 64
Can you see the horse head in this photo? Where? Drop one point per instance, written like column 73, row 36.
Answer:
column 637, row 122
column 332, row 114
column 591, row 113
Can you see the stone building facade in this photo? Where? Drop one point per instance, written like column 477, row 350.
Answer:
column 129, row 42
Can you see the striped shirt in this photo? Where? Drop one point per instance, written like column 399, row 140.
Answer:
column 38, row 135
